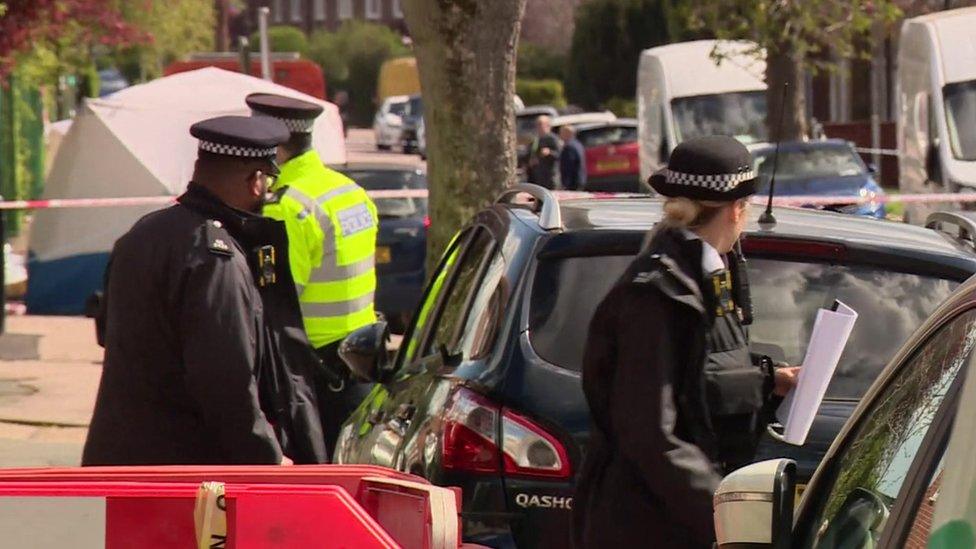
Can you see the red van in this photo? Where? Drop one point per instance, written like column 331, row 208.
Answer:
column 286, row 69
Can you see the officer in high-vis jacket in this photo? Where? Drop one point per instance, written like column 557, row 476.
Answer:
column 675, row 396
column 332, row 226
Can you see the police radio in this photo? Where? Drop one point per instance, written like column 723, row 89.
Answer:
column 740, row 284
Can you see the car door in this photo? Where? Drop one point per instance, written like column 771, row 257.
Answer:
column 867, row 492
column 385, row 417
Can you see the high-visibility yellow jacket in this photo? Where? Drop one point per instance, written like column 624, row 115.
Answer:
column 332, row 226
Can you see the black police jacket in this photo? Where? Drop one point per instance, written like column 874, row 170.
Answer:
column 666, row 376
column 203, row 365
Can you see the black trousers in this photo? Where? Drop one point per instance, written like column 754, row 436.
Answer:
column 335, row 406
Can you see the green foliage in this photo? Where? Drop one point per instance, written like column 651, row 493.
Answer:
column 351, row 59
column 537, row 62
column 606, row 46
column 541, row 92
column 282, row 39
column 21, row 146
column 176, row 27
column 623, row 107
column 803, row 31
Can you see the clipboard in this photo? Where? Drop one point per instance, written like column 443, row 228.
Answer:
column 796, row 414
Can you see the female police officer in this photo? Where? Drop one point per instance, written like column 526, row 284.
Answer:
column 675, row 396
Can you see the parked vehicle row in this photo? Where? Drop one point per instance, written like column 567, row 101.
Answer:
column 485, row 391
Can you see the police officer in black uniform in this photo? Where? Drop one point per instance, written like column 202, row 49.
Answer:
column 206, row 360
column 676, row 397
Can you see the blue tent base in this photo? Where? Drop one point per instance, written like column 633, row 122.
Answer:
column 61, row 286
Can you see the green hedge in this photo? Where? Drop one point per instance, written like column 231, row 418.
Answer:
column 538, row 62
column 282, row 39
column 541, row 92
column 623, row 107
column 351, row 59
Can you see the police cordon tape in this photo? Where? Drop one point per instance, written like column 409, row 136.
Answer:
column 59, row 203
column 795, row 201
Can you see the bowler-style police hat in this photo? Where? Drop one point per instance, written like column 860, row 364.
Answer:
column 242, row 137
column 297, row 115
column 717, row 168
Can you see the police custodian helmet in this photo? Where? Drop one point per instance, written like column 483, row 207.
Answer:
column 716, row 168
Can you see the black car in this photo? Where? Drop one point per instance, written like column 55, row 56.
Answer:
column 485, row 391
column 900, row 473
column 401, row 245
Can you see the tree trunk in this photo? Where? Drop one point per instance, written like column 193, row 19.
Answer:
column 222, row 31
column 466, row 58
column 783, row 68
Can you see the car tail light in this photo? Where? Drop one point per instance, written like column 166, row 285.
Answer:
column 426, row 221
column 528, row 450
column 470, row 440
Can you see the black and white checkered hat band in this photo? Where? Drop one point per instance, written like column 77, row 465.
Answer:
column 720, row 182
column 296, row 125
column 235, row 150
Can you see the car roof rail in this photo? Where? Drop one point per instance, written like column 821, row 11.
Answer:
column 965, row 224
column 547, row 205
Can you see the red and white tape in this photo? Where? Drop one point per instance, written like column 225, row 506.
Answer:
column 60, row 203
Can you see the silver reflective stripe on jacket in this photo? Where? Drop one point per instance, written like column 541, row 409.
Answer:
column 330, row 272
column 337, row 308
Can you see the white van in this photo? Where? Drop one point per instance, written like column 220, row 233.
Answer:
column 937, row 103
column 682, row 93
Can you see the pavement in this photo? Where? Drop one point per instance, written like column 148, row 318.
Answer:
column 50, row 367
column 49, row 372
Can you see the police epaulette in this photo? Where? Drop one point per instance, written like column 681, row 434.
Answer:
column 218, row 240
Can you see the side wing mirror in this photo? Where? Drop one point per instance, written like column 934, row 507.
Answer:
column 754, row 506
column 872, row 168
column 364, row 351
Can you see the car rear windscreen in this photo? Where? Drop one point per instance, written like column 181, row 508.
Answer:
column 392, row 180
column 610, row 135
column 786, row 297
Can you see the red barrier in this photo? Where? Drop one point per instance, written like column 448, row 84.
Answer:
column 406, row 508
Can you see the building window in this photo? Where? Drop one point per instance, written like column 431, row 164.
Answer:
column 345, row 9
column 277, row 11
column 296, row 11
column 374, row 9
column 397, row 9
column 319, row 10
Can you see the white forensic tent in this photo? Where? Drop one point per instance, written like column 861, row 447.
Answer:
column 134, row 143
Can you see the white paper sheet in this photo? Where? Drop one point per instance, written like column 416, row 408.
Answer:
column 827, row 341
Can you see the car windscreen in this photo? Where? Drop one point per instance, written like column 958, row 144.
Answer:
column 391, row 180
column 399, row 108
column 610, row 135
column 741, row 115
column 960, row 102
column 810, row 162
column 786, row 297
